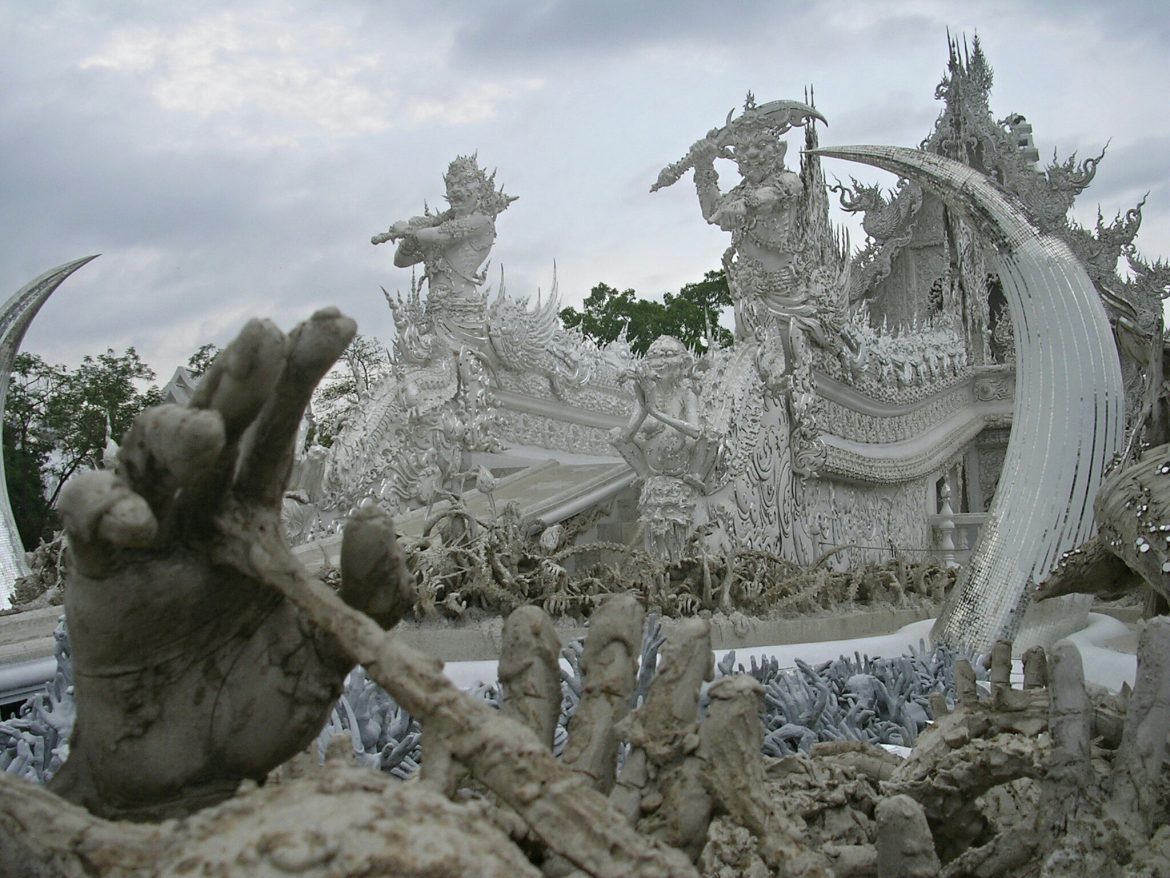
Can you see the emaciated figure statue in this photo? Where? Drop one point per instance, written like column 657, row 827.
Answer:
column 453, row 247
column 665, row 444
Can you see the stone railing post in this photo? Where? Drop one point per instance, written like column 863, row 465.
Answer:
column 946, row 526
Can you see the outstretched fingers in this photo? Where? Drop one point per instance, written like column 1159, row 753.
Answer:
column 313, row 347
column 235, row 389
column 242, row 377
column 169, row 448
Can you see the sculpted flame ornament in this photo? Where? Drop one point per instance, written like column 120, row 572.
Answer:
column 534, row 341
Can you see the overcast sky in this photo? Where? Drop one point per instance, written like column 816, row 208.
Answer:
column 233, row 159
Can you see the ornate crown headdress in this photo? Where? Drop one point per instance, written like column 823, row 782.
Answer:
column 750, row 128
column 491, row 200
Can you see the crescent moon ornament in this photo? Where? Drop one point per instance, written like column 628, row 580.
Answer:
column 1068, row 420
column 15, row 317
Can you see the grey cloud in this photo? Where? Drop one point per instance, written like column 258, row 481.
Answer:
column 607, row 28
column 200, row 227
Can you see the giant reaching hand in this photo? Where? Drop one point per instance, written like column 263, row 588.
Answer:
column 192, row 672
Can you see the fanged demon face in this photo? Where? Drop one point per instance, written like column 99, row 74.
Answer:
column 759, row 157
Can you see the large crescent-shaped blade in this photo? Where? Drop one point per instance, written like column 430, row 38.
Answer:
column 793, row 113
column 1069, row 410
column 15, row 318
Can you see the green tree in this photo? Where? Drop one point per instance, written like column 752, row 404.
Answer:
column 199, row 361
column 362, row 364
column 57, row 420
column 28, row 442
column 691, row 314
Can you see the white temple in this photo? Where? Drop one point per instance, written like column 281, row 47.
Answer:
column 866, row 403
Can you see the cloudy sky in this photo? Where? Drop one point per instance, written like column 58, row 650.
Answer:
column 233, row 159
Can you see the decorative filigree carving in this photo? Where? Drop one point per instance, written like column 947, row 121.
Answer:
column 736, row 453
column 1050, row 195
column 889, row 224
column 920, row 353
column 1003, row 337
column 859, row 426
column 534, row 342
column 865, row 521
column 414, row 339
column 454, row 350
column 994, row 383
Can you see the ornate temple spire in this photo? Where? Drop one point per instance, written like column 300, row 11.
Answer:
column 965, row 129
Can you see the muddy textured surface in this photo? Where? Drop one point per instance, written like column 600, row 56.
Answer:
column 191, row 599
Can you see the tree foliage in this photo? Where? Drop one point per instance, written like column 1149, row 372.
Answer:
column 57, row 420
column 690, row 315
column 199, row 361
column 362, row 365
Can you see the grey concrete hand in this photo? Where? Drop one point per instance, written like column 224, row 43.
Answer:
column 192, row 672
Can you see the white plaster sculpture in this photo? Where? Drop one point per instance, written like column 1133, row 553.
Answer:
column 758, row 404
column 667, row 446
column 453, row 246
column 766, row 264
column 456, row 348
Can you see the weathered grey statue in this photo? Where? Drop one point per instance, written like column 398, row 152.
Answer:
column 182, row 646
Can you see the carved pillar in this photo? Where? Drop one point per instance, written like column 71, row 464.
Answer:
column 946, row 526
